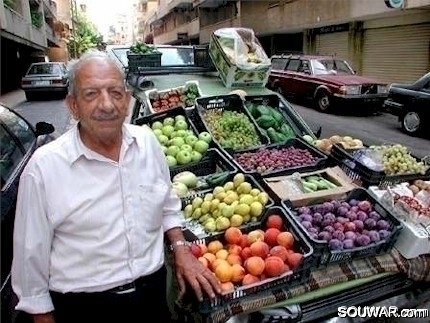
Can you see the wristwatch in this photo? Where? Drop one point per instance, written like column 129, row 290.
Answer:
column 179, row 243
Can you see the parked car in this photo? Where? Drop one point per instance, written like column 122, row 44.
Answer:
column 45, row 78
column 411, row 103
column 18, row 141
column 325, row 81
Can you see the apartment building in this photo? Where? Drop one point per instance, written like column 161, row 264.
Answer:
column 28, row 30
column 142, row 11
column 385, row 39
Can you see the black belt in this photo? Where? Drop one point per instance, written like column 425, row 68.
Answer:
column 134, row 285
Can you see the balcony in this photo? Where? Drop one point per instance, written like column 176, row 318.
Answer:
column 179, row 4
column 190, row 29
column 210, row 3
column 22, row 30
column 50, row 9
column 51, row 36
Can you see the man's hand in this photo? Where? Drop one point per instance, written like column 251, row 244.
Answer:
column 44, row 318
column 189, row 269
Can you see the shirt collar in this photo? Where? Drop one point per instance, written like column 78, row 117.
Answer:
column 79, row 149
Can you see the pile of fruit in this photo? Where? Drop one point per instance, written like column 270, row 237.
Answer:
column 231, row 205
column 344, row 224
column 186, row 182
column 273, row 159
column 315, row 183
column 243, row 259
column 325, row 144
column 271, row 121
column 231, row 129
column 180, row 144
column 181, row 96
column 418, row 199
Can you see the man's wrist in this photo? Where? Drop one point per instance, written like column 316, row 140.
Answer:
column 179, row 244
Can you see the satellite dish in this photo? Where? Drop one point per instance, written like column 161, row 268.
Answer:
column 395, row 4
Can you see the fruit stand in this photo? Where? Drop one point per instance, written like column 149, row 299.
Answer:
column 280, row 216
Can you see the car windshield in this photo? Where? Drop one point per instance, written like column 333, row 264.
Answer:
column 170, row 56
column 44, row 69
column 331, row 66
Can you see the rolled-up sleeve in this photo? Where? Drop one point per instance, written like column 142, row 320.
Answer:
column 31, row 248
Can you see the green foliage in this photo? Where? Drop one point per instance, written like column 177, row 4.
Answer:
column 9, row 3
column 86, row 37
column 36, row 18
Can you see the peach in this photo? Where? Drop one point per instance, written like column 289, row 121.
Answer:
column 279, row 251
column 249, row 279
column 204, row 261
column 286, row 268
column 238, row 273
column 285, row 239
column 215, row 246
column 254, row 265
column 256, row 235
column 227, row 287
column 224, row 272
column 270, row 236
column 234, row 249
column 294, row 259
column 234, row 259
column 209, row 256
column 274, row 266
column 245, row 253
column 196, row 250
column 218, row 262
column 244, row 241
column 232, row 235
column 274, row 221
column 260, row 249
column 222, row 254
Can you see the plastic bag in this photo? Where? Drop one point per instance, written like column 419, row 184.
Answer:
column 242, row 48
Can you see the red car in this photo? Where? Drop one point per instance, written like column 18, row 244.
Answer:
column 325, row 81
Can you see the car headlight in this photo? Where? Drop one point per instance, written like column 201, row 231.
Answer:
column 350, row 89
column 382, row 89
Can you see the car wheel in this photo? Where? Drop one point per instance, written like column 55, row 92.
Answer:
column 323, row 101
column 29, row 96
column 411, row 123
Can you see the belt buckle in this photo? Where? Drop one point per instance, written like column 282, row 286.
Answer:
column 125, row 289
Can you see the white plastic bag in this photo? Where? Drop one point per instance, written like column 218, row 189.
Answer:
column 242, row 48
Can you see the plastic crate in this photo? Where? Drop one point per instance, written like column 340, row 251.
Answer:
column 149, row 94
column 201, row 56
column 197, row 229
column 327, row 256
column 365, row 176
column 273, row 101
column 143, row 60
column 231, row 102
column 293, row 142
column 284, row 281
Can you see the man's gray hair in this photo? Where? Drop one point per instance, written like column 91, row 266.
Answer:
column 76, row 64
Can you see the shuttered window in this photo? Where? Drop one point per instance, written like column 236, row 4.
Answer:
column 397, row 54
column 333, row 44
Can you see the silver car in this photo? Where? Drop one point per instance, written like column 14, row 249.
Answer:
column 45, row 78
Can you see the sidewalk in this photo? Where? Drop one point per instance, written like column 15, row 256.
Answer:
column 12, row 99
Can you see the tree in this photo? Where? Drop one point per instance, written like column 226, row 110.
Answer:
column 86, row 37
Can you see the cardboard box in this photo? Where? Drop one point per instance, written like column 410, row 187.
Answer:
column 287, row 188
column 231, row 75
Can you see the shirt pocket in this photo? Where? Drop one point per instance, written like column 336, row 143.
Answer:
column 152, row 199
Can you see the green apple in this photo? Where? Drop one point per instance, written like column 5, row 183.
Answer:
column 196, row 156
column 178, row 141
column 191, row 140
column 167, row 130
column 180, row 117
column 164, row 148
column 181, row 125
column 171, row 161
column 184, row 157
column 173, row 151
column 168, row 121
column 162, row 139
column 157, row 125
column 187, row 147
column 205, row 136
column 201, row 146
column 182, row 133
column 173, row 135
column 157, row 132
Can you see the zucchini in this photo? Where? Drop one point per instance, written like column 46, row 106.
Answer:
column 266, row 121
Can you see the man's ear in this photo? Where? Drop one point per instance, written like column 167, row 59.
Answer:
column 72, row 105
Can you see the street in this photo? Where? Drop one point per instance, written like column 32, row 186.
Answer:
column 377, row 129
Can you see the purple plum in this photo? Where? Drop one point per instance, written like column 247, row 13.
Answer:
column 361, row 215
column 383, row 225
column 329, row 229
column 342, row 220
column 351, row 215
column 339, row 235
column 365, row 206
column 335, row 244
column 307, row 224
column 348, row 244
column 338, row 226
column 359, row 225
column 353, row 202
column 304, row 210
column 342, row 211
column 350, row 235
column 317, row 218
column 362, row 240
column 354, row 208
column 313, row 230
column 324, row 235
column 374, row 215
column 345, row 204
column 328, row 207
column 374, row 236
column 335, row 203
column 305, row 217
column 384, row 234
column 370, row 224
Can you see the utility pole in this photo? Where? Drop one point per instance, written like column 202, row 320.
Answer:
column 74, row 14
